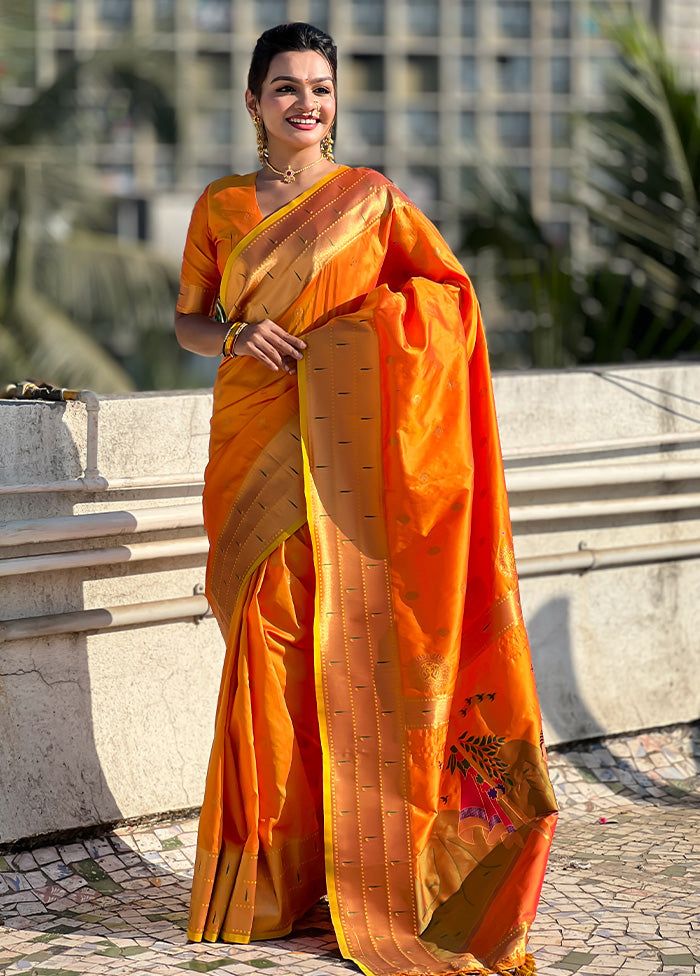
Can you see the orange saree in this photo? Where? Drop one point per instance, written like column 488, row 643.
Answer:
column 378, row 735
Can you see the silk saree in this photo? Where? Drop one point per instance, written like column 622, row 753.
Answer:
column 378, row 735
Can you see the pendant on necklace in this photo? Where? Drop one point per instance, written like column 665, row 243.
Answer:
column 289, row 176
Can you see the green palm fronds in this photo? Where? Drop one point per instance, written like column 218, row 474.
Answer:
column 637, row 294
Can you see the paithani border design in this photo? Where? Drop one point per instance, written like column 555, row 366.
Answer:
column 288, row 249
column 269, row 507
column 495, row 621
column 362, row 715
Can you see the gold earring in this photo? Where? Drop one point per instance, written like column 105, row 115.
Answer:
column 327, row 147
column 262, row 138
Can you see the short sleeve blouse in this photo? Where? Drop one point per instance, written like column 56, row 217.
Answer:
column 225, row 212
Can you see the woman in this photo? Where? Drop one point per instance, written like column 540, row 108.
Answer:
column 377, row 732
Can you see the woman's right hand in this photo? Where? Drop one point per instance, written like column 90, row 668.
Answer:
column 270, row 344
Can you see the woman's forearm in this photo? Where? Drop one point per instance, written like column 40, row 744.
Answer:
column 200, row 334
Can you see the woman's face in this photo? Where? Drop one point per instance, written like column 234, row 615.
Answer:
column 297, row 102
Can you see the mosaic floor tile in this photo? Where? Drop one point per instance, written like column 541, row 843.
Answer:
column 621, row 896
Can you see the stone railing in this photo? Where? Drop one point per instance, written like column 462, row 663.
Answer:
column 109, row 662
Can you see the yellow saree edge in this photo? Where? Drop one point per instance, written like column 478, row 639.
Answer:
column 268, row 222
column 262, row 556
column 320, row 708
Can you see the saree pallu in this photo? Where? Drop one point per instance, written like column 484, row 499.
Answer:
column 378, row 734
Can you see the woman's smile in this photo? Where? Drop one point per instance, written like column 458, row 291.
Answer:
column 304, row 121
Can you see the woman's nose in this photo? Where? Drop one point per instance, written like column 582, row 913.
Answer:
column 306, row 99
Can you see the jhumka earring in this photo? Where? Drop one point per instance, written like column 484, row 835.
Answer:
column 327, row 147
column 262, row 138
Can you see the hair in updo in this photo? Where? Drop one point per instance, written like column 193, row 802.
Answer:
column 289, row 37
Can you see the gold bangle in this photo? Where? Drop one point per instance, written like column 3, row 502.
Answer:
column 230, row 338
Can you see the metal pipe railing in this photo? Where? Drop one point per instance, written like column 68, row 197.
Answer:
column 51, row 562
column 161, row 611
column 183, row 480
column 88, row 526
column 602, row 508
column 599, row 475
column 104, row 618
column 585, row 560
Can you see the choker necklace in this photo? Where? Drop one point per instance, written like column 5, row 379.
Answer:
column 289, row 175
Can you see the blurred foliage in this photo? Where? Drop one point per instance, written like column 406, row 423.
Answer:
column 79, row 307
column 636, row 293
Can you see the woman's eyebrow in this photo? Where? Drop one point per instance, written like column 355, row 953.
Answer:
column 314, row 81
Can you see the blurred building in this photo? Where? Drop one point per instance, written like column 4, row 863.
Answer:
column 429, row 91
column 679, row 24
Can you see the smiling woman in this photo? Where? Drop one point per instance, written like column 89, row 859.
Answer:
column 378, row 735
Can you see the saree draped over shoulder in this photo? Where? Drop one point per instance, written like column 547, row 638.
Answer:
column 378, row 734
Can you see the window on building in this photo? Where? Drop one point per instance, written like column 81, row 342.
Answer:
column 560, row 182
column 468, row 18
column 469, row 180
column 560, row 129
column 598, row 71
column 165, row 166
column 561, row 18
column 115, row 13
column 318, row 14
column 422, row 185
column 213, row 15
column 595, row 17
column 164, row 15
column 468, row 74
column 214, row 126
column 421, row 74
column 467, row 128
column 367, row 72
column 514, row 129
column 117, row 180
column 561, row 76
column 422, row 127
column 513, row 18
column 367, row 127
column 213, row 72
column 513, row 73
column 423, row 17
column 523, row 179
column 367, row 16
column 208, row 172
column 269, row 13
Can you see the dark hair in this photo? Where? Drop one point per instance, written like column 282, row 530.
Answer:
column 289, row 37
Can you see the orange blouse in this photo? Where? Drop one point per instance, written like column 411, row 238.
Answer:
column 225, row 212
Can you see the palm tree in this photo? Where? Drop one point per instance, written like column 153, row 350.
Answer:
column 636, row 296
column 78, row 307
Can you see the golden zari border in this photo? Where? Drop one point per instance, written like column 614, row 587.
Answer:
column 369, row 864
column 269, row 507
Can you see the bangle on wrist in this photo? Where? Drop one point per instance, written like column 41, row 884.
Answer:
column 230, row 338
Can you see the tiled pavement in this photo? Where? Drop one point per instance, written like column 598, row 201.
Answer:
column 622, row 894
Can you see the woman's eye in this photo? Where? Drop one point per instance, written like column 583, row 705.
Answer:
column 322, row 91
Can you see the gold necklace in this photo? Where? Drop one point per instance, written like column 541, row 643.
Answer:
column 289, row 175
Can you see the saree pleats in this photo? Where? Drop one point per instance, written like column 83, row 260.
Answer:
column 260, row 848
column 378, row 733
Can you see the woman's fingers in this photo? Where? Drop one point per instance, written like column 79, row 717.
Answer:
column 270, row 344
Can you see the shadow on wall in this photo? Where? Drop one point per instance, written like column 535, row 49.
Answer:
column 564, row 709
column 568, row 720
column 51, row 777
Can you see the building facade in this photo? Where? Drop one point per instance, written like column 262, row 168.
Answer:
column 430, row 90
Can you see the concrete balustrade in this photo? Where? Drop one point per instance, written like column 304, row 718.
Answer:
column 109, row 664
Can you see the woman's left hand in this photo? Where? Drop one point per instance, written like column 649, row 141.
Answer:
column 270, row 344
